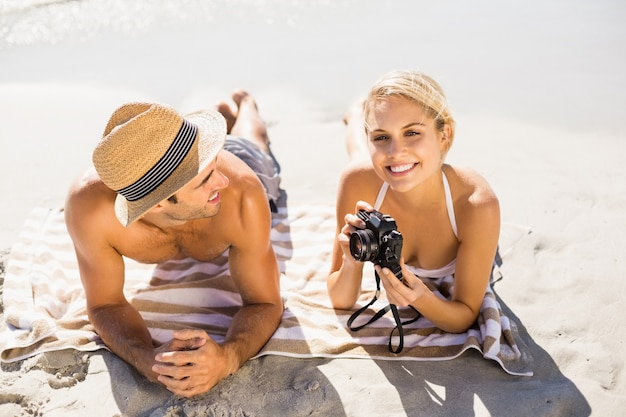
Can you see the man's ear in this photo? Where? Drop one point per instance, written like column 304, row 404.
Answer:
column 159, row 207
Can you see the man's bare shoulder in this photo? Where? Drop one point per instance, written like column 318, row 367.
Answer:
column 87, row 195
column 87, row 185
column 91, row 222
column 236, row 170
column 89, row 202
column 245, row 202
column 244, row 186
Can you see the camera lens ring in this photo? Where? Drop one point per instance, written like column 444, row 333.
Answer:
column 363, row 245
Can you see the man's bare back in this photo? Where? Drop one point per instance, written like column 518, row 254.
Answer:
column 222, row 205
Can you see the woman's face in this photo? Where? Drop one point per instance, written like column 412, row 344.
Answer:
column 404, row 145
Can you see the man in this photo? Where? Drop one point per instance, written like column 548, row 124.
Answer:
column 166, row 187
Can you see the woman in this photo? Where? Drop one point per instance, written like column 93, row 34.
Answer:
column 449, row 216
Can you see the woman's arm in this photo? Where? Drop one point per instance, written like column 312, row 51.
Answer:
column 344, row 281
column 478, row 222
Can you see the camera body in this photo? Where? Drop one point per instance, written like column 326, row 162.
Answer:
column 380, row 242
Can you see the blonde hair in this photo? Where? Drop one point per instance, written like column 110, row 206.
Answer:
column 417, row 87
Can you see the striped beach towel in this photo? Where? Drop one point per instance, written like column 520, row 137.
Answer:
column 44, row 303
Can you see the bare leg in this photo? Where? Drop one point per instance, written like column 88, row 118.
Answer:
column 248, row 123
column 356, row 142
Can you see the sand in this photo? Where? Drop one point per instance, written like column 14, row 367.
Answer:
column 538, row 92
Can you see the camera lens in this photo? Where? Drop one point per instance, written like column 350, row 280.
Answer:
column 363, row 245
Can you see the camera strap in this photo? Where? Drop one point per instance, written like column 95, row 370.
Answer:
column 379, row 314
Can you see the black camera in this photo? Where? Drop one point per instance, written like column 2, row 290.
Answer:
column 380, row 242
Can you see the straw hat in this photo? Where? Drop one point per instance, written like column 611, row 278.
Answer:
column 149, row 152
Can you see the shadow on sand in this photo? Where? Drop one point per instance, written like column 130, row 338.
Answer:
column 465, row 385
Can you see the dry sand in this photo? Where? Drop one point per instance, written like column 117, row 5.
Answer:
column 538, row 91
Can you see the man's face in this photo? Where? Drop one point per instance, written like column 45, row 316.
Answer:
column 201, row 197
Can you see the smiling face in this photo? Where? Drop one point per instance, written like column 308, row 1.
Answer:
column 200, row 198
column 405, row 145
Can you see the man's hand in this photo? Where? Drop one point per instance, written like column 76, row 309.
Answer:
column 191, row 363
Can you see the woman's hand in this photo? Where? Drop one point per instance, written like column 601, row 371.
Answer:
column 401, row 293
column 352, row 223
column 344, row 281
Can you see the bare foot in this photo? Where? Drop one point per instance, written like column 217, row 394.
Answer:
column 248, row 123
column 228, row 114
column 239, row 95
column 356, row 142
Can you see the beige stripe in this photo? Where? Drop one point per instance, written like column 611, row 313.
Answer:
column 303, row 244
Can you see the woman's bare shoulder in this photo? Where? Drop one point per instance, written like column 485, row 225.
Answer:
column 360, row 171
column 358, row 182
column 469, row 186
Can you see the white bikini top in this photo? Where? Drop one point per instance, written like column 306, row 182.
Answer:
column 429, row 273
